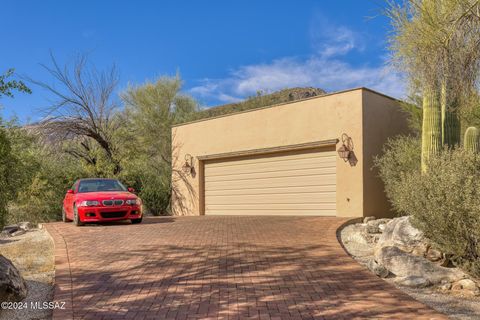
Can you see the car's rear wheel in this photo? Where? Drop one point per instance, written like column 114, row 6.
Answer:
column 76, row 217
column 135, row 221
column 64, row 216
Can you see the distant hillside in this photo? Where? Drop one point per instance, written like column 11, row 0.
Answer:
column 262, row 100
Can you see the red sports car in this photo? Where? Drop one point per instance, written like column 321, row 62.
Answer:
column 100, row 200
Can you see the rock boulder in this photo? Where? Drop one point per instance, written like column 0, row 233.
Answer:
column 25, row 225
column 466, row 286
column 399, row 232
column 7, row 231
column 377, row 268
column 373, row 226
column 367, row 219
column 12, row 285
column 403, row 265
column 434, row 254
column 413, row 282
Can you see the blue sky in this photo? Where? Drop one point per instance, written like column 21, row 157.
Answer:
column 224, row 50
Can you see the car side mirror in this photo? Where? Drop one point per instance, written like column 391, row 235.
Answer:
column 131, row 190
column 70, row 191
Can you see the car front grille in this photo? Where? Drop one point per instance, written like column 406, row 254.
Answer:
column 113, row 214
column 110, row 203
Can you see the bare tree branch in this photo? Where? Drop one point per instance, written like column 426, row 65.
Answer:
column 84, row 107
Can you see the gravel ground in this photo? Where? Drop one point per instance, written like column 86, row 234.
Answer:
column 32, row 254
column 456, row 307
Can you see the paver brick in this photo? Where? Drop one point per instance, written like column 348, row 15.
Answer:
column 218, row 267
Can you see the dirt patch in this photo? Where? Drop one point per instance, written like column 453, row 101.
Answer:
column 456, row 307
column 33, row 254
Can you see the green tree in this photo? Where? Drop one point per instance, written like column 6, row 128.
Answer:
column 7, row 86
column 437, row 44
column 8, row 165
column 7, row 185
column 39, row 175
column 150, row 111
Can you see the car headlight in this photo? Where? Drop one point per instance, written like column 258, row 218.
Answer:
column 132, row 202
column 89, row 203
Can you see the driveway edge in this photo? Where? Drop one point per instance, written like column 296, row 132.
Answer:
column 62, row 292
column 341, row 227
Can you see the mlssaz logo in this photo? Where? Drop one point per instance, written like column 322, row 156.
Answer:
column 45, row 305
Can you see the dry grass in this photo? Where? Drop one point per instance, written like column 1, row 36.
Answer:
column 31, row 253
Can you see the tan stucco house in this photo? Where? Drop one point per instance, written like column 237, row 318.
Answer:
column 285, row 160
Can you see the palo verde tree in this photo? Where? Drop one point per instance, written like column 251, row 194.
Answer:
column 436, row 43
column 150, row 111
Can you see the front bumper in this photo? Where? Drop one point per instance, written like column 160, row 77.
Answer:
column 99, row 214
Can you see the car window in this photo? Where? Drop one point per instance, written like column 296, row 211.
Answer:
column 99, row 185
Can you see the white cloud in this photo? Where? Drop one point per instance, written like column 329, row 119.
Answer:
column 329, row 40
column 324, row 69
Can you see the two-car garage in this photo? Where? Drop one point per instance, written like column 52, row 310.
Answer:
column 284, row 159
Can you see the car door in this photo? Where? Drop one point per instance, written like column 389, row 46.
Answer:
column 69, row 199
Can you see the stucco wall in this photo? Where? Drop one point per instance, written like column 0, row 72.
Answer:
column 382, row 118
column 316, row 119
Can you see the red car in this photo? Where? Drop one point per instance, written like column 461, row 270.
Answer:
column 101, row 200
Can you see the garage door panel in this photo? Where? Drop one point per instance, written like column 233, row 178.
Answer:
column 299, row 183
column 274, row 206
column 279, row 198
column 309, row 163
column 269, row 159
column 273, row 173
column 269, row 212
column 273, row 190
column 271, row 182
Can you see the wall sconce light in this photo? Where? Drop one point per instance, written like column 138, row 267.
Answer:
column 188, row 168
column 346, row 150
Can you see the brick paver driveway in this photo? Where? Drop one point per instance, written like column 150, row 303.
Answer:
column 218, row 267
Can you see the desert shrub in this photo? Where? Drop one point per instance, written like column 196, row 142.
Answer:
column 400, row 158
column 41, row 199
column 444, row 203
column 261, row 99
column 39, row 176
column 7, row 184
column 152, row 181
column 156, row 193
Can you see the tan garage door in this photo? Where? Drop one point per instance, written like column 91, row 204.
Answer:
column 289, row 183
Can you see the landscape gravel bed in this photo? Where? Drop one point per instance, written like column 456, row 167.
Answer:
column 33, row 255
column 361, row 245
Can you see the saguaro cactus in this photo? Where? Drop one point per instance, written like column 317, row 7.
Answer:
column 432, row 125
column 471, row 140
column 450, row 120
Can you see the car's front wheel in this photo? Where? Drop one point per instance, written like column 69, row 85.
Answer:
column 135, row 221
column 76, row 217
column 64, row 216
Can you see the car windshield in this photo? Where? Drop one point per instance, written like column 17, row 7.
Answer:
column 99, row 185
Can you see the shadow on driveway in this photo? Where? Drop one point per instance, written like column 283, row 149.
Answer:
column 225, row 267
